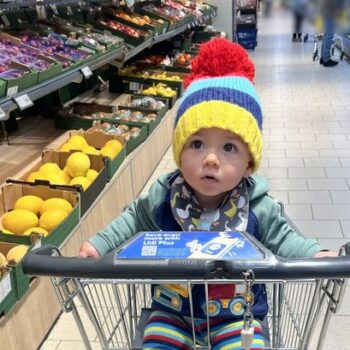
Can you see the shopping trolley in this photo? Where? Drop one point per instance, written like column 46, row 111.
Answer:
column 113, row 294
column 337, row 48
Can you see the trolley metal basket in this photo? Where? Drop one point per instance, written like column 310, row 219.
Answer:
column 114, row 296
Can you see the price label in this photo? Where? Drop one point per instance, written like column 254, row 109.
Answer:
column 87, row 73
column 5, row 287
column 37, row 244
column 54, row 9
column 12, row 91
column 2, row 114
column 69, row 11
column 134, row 86
column 5, row 21
column 23, row 101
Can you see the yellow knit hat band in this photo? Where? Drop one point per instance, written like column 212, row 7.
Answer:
column 223, row 115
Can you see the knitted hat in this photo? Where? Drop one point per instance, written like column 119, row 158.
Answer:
column 220, row 94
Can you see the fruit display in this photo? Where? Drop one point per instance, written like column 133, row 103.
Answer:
column 74, row 172
column 54, row 44
column 159, row 90
column 166, row 11
column 132, row 71
column 183, row 59
column 32, row 214
column 123, row 28
column 139, row 20
column 14, row 52
column 134, row 116
column 76, row 142
column 189, row 7
column 126, row 131
column 146, row 102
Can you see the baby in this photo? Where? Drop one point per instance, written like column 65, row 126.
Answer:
column 217, row 146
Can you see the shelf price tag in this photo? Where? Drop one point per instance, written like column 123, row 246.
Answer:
column 23, row 101
column 5, row 286
column 87, row 73
column 133, row 86
column 2, row 114
column 54, row 9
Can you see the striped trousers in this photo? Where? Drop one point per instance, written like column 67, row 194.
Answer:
column 166, row 331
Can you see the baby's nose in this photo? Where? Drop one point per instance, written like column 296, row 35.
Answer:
column 211, row 159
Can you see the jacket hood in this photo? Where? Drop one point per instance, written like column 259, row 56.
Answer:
column 259, row 188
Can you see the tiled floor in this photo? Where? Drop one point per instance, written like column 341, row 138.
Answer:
column 306, row 152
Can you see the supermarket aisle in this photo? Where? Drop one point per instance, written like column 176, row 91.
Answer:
column 306, row 152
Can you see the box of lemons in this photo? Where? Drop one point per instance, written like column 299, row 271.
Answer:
column 171, row 79
column 52, row 170
column 12, row 250
column 93, row 143
column 38, row 210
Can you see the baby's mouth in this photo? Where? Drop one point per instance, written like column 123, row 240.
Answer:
column 209, row 178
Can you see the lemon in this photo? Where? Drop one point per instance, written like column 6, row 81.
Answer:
column 3, row 260
column 91, row 174
column 78, row 142
column 56, row 203
column 35, row 230
column 30, row 202
column 109, row 152
column 56, row 179
column 16, row 253
column 36, row 175
column 19, row 220
column 81, row 180
column 91, row 150
column 6, row 231
column 78, row 164
column 49, row 168
column 65, row 176
column 66, row 147
column 115, row 145
column 51, row 218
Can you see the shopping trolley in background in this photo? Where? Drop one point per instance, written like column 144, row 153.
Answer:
column 113, row 294
column 337, row 48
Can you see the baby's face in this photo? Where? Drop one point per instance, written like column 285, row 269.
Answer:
column 213, row 162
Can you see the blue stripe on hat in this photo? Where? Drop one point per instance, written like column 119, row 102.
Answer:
column 231, row 82
column 229, row 95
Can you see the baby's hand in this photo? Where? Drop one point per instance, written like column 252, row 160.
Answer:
column 325, row 254
column 88, row 250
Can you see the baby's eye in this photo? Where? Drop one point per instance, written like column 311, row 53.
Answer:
column 197, row 144
column 230, row 147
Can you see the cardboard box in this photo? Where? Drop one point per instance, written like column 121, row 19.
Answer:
column 76, row 122
column 87, row 197
column 12, row 191
column 18, row 280
column 8, row 295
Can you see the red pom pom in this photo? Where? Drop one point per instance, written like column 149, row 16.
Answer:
column 221, row 57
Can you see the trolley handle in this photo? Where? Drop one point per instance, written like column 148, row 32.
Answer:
column 40, row 262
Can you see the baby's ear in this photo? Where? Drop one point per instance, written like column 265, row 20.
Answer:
column 249, row 169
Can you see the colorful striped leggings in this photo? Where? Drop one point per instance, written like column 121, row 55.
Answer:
column 166, row 331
